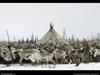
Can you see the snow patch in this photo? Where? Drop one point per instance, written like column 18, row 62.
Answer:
column 82, row 66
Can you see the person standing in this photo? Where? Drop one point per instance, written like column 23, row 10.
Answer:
column 78, row 57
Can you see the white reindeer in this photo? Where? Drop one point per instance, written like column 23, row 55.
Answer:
column 59, row 55
column 41, row 57
column 97, row 52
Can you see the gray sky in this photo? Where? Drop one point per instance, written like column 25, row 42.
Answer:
column 23, row 19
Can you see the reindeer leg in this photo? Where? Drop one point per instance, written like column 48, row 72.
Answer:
column 33, row 63
column 36, row 62
column 53, row 63
column 41, row 63
column 62, row 61
column 47, row 62
column 20, row 61
column 8, row 63
column 56, row 60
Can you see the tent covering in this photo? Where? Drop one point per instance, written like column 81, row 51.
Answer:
column 52, row 37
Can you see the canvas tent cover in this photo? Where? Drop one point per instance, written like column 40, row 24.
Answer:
column 52, row 37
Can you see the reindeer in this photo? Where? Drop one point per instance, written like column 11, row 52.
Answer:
column 38, row 58
column 59, row 55
column 97, row 52
column 6, row 56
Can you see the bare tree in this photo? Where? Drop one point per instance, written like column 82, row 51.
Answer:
column 64, row 33
column 27, row 40
column 77, row 40
column 73, row 39
column 22, row 40
column 36, row 39
column 32, row 38
column 19, row 41
column 98, row 37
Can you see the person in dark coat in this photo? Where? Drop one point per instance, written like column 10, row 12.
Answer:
column 78, row 57
column 78, row 61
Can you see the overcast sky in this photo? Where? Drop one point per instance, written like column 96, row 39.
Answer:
column 23, row 19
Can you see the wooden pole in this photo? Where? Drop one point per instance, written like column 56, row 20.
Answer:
column 8, row 39
column 8, row 36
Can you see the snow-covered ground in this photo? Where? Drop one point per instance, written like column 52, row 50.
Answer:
column 88, row 66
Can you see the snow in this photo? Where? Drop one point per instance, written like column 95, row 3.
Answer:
column 82, row 66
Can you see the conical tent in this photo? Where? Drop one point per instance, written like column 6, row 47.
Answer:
column 52, row 37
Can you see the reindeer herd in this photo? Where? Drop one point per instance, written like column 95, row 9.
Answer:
column 40, row 54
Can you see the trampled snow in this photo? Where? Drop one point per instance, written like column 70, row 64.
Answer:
column 82, row 66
